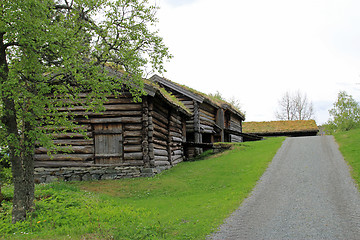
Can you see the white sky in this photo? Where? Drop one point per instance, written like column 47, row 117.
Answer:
column 256, row 50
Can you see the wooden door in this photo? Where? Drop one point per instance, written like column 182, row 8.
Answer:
column 108, row 143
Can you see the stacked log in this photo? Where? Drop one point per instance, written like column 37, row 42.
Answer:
column 176, row 138
column 160, row 153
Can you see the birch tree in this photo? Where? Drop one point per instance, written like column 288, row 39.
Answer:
column 295, row 107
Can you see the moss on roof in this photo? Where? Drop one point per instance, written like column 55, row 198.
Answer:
column 171, row 98
column 280, row 126
column 211, row 99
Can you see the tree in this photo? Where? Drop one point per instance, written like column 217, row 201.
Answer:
column 232, row 101
column 345, row 113
column 57, row 49
column 294, row 107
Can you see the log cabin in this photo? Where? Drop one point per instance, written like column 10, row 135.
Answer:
column 212, row 120
column 291, row 128
column 128, row 139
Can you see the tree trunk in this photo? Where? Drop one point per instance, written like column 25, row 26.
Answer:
column 1, row 196
column 20, row 155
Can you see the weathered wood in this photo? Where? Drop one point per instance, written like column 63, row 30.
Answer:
column 159, row 117
column 162, row 163
column 176, row 139
column 119, row 100
column 131, row 127
column 132, row 148
column 206, row 121
column 176, row 157
column 207, row 107
column 62, row 157
column 160, row 136
column 106, row 120
column 177, row 161
column 176, row 134
column 54, row 164
column 71, row 135
column 132, row 134
column 161, row 130
column 158, row 146
column 115, row 107
column 131, row 119
column 132, row 141
column 70, row 149
column 158, row 123
column 133, row 156
column 159, row 152
column 177, row 152
column 74, row 142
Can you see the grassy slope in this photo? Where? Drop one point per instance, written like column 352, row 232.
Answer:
column 349, row 143
column 187, row 202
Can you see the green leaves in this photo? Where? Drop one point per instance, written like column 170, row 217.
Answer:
column 345, row 113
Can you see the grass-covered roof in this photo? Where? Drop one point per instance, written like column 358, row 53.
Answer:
column 280, row 126
column 212, row 100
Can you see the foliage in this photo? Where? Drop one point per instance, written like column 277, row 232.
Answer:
column 349, row 143
column 62, row 210
column 58, row 49
column 345, row 114
column 294, row 107
column 280, row 126
column 188, row 201
column 234, row 102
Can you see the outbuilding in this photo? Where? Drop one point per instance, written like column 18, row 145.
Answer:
column 212, row 120
column 128, row 139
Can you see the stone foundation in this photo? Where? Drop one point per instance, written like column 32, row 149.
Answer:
column 46, row 175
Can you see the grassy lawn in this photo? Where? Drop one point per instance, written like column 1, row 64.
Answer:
column 187, row 202
column 349, row 143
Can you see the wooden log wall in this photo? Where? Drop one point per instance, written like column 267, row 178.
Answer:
column 207, row 115
column 235, row 123
column 168, row 135
column 121, row 113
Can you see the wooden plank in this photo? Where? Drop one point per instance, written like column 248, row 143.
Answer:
column 159, row 117
column 74, row 142
column 157, row 122
column 162, row 163
column 71, row 135
column 160, row 136
column 131, row 119
column 161, row 142
column 62, row 157
column 161, row 130
column 176, row 139
column 177, row 152
column 70, row 149
column 106, row 120
column 159, row 152
column 121, row 107
column 133, row 156
column 132, row 141
column 158, row 146
column 131, row 127
column 132, row 134
column 132, row 148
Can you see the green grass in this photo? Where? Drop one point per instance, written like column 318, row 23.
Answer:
column 349, row 143
column 187, row 202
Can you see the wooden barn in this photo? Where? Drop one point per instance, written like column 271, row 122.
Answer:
column 212, row 120
column 282, row 128
column 128, row 139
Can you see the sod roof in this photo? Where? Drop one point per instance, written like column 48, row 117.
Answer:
column 212, row 100
column 280, row 126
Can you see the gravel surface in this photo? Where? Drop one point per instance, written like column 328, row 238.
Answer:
column 306, row 193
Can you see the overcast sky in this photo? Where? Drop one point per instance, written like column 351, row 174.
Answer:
column 256, row 50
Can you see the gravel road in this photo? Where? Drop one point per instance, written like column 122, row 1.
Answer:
column 306, row 193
